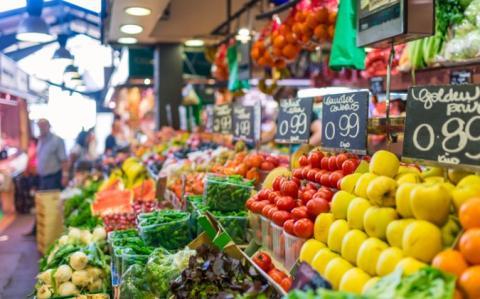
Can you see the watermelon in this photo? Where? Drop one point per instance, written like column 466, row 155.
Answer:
column 112, row 201
column 113, row 183
column 145, row 191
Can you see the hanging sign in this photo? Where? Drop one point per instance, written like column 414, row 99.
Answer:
column 443, row 125
column 344, row 122
column 222, row 119
column 243, row 119
column 293, row 122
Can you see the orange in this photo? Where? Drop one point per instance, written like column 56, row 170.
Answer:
column 457, row 294
column 320, row 32
column 297, row 28
column 332, row 17
column 470, row 246
column 279, row 41
column 470, row 282
column 290, row 51
column 451, row 261
column 280, row 63
column 290, row 37
column 299, row 16
column 277, row 52
column 469, row 213
column 322, row 15
column 255, row 53
column 312, row 21
column 331, row 31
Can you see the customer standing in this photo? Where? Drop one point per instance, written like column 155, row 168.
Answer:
column 52, row 161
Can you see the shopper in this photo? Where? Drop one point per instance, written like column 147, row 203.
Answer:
column 116, row 139
column 52, row 161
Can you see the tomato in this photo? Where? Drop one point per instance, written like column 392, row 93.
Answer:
column 289, row 188
column 317, row 206
column 340, row 158
column 288, row 226
column 267, row 165
column 296, row 181
column 273, row 160
column 349, row 166
column 303, row 160
column 324, row 163
column 297, row 173
column 311, row 174
column 263, row 261
column 266, row 209
column 270, row 213
column 325, row 179
column 335, row 177
column 276, row 275
column 277, row 183
column 300, row 212
column 311, row 186
column 264, row 194
column 249, row 203
column 254, row 160
column 279, row 217
column 315, row 159
column 286, row 203
column 305, row 171
column 303, row 228
column 319, row 175
column 332, row 163
column 257, row 206
column 327, row 192
column 307, row 195
column 286, row 284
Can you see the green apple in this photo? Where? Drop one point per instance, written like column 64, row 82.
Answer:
column 402, row 199
column 362, row 184
column 356, row 212
column 368, row 255
column 384, row 163
column 431, row 202
column 388, row 260
column 348, row 182
column 381, row 191
column 339, row 205
column 422, row 240
column 351, row 243
column 376, row 220
column 337, row 231
column 395, row 230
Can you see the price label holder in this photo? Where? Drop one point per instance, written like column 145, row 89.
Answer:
column 442, row 126
column 244, row 123
column 293, row 122
column 345, row 122
column 222, row 119
column 460, row 77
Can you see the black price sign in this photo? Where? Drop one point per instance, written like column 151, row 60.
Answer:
column 293, row 122
column 244, row 123
column 460, row 77
column 344, row 121
column 376, row 85
column 443, row 125
column 222, row 119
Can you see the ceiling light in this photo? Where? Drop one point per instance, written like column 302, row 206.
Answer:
column 194, row 43
column 131, row 29
column 34, row 29
column 243, row 32
column 138, row 11
column 243, row 38
column 147, row 81
column 127, row 40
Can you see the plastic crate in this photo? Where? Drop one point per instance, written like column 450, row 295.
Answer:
column 293, row 245
column 223, row 195
column 255, row 226
column 266, row 233
column 172, row 235
column 278, row 242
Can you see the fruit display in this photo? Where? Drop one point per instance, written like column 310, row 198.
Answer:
column 264, row 262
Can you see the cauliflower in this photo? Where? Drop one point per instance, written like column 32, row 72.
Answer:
column 44, row 292
column 67, row 289
column 78, row 260
column 45, row 277
column 80, row 278
column 99, row 234
column 63, row 273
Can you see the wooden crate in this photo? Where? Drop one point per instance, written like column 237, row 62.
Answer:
column 49, row 218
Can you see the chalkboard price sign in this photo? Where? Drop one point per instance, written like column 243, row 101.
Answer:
column 293, row 122
column 222, row 119
column 443, row 125
column 244, row 123
column 344, row 122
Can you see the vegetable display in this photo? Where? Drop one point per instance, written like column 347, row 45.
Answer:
column 227, row 193
column 77, row 211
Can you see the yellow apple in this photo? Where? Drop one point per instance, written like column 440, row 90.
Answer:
column 395, row 230
column 432, row 171
column 422, row 240
column 354, row 281
column 321, row 259
column 362, row 184
column 402, row 199
column 337, row 231
column 369, row 253
column 339, row 204
column 321, row 226
column 409, row 265
column 470, row 181
column 449, row 186
column 431, row 202
column 348, row 182
column 411, row 177
column 462, row 194
column 335, row 270
column 351, row 243
column 433, row 180
column 370, row 284
column 384, row 163
column 356, row 211
column 376, row 221
column 456, row 175
column 450, row 231
column 381, row 191
column 309, row 250
column 407, row 169
column 388, row 260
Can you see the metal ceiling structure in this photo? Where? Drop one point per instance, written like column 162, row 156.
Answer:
column 62, row 16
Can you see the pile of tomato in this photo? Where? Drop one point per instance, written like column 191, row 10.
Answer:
column 264, row 262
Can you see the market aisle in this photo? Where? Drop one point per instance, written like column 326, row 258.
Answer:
column 19, row 259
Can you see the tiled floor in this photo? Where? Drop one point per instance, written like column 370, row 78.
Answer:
column 18, row 259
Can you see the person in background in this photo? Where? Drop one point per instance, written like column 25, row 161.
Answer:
column 116, row 138
column 52, row 161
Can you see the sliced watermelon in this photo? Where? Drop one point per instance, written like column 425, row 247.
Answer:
column 113, row 183
column 112, row 201
column 145, row 191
